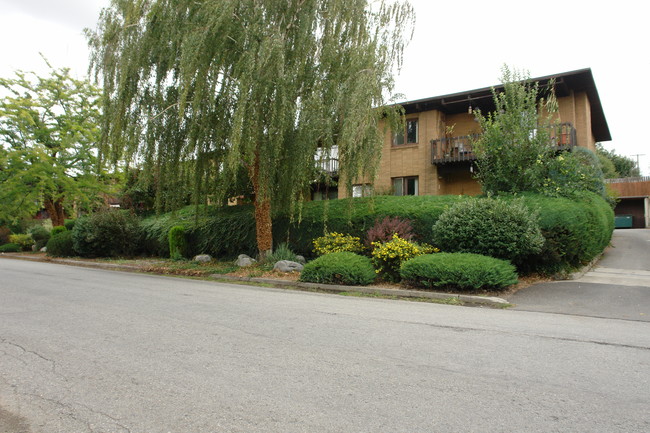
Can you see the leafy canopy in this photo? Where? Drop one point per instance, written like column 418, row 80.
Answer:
column 205, row 93
column 48, row 130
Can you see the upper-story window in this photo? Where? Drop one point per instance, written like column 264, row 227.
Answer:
column 409, row 135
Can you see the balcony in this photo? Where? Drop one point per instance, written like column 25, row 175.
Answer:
column 459, row 149
column 329, row 166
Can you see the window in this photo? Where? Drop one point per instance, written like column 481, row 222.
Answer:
column 405, row 185
column 407, row 136
column 364, row 190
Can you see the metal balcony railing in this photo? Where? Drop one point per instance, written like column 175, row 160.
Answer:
column 457, row 149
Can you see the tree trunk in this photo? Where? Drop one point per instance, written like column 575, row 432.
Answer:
column 263, row 223
column 55, row 209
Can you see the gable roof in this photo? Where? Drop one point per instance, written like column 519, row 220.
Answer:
column 581, row 80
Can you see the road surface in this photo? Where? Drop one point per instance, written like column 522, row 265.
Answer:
column 87, row 350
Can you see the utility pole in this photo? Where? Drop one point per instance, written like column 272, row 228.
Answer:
column 638, row 167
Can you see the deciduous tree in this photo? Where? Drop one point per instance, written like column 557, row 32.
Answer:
column 48, row 130
column 257, row 85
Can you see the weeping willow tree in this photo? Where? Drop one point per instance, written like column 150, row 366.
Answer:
column 210, row 91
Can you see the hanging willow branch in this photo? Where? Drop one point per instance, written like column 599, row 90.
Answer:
column 212, row 86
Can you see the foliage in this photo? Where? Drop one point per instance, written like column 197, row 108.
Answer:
column 4, row 235
column 48, row 127
column 69, row 224
column 339, row 268
column 40, row 235
column 337, row 242
column 515, row 145
column 281, row 252
column 24, row 240
column 108, row 233
column 387, row 257
column 9, row 248
column 623, row 165
column 575, row 231
column 573, row 172
column 58, row 229
column 492, row 227
column 463, row 271
column 384, row 229
column 61, row 245
column 209, row 92
column 177, row 243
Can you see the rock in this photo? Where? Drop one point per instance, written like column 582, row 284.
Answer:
column 287, row 266
column 301, row 260
column 244, row 261
column 203, row 258
column 43, row 250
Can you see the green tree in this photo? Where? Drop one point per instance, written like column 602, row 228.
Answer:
column 48, row 130
column 250, row 87
column 515, row 145
column 623, row 166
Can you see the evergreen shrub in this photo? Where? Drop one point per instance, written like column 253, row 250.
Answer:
column 107, row 234
column 58, row 229
column 177, row 243
column 464, row 271
column 61, row 245
column 498, row 228
column 69, row 223
column 339, row 268
column 24, row 240
column 9, row 248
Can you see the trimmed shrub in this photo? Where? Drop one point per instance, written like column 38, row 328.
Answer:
column 58, row 229
column 575, row 230
column 25, row 241
column 336, row 243
column 40, row 235
column 61, row 245
column 107, row 234
column 463, row 271
column 387, row 257
column 384, row 229
column 69, row 223
column 339, row 268
column 9, row 248
column 492, row 227
column 177, row 243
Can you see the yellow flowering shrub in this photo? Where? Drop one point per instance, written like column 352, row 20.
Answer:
column 387, row 257
column 337, row 243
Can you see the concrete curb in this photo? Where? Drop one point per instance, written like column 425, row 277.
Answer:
column 402, row 293
column 331, row 288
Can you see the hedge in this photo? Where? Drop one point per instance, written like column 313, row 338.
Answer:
column 465, row 271
column 9, row 248
column 61, row 245
column 575, row 230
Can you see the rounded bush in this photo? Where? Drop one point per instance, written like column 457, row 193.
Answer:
column 57, row 229
column 9, row 248
column 107, row 234
column 492, row 227
column 339, row 268
column 60, row 245
column 69, row 223
column 40, row 235
column 458, row 270
column 25, row 241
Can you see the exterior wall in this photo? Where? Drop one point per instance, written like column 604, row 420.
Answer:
column 576, row 109
column 631, row 189
column 634, row 207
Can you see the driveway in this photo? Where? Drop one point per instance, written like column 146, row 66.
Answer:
column 618, row 287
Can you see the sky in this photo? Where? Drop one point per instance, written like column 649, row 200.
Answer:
column 456, row 46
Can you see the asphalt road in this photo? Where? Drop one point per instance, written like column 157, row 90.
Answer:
column 86, row 350
column 618, row 287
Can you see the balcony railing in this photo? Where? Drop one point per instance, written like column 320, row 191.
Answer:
column 329, row 166
column 458, row 149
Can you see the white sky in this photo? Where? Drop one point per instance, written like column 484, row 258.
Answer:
column 457, row 46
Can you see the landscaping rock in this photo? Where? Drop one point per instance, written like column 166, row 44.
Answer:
column 203, row 258
column 287, row 266
column 243, row 261
column 301, row 260
column 43, row 250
